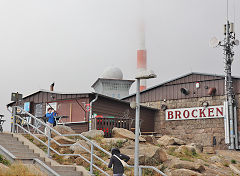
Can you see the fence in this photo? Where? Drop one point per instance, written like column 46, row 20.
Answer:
column 107, row 124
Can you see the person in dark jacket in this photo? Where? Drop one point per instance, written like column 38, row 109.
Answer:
column 118, row 168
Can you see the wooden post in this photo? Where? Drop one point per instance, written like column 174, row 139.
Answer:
column 70, row 112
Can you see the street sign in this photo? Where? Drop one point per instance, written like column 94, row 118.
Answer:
column 88, row 107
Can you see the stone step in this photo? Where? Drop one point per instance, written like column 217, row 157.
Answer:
column 20, row 150
column 9, row 142
column 46, row 162
column 8, row 138
column 63, row 168
column 7, row 146
column 14, row 147
column 5, row 134
column 24, row 154
column 70, row 173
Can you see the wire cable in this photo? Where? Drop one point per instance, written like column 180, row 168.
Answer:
column 227, row 10
column 234, row 11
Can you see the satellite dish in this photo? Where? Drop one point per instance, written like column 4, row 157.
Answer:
column 213, row 42
column 236, row 42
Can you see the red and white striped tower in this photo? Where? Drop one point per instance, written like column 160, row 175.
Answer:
column 141, row 51
column 141, row 66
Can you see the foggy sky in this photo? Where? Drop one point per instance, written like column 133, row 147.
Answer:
column 71, row 42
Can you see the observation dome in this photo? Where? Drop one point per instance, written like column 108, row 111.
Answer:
column 112, row 73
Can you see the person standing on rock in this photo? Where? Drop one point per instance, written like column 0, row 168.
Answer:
column 116, row 161
column 50, row 116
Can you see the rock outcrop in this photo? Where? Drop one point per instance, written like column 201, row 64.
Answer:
column 124, row 133
column 178, row 164
column 93, row 134
column 62, row 129
column 61, row 140
column 76, row 147
column 167, row 140
column 113, row 141
column 184, row 172
column 183, row 149
column 150, row 139
column 209, row 150
column 148, row 154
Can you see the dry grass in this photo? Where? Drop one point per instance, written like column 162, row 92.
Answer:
column 18, row 169
column 185, row 155
column 36, row 142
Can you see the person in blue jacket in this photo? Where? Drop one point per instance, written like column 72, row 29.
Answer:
column 50, row 116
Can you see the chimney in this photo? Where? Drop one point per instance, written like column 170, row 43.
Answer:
column 142, row 66
column 52, row 86
column 141, row 51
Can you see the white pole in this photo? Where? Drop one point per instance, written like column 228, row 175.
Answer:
column 136, row 154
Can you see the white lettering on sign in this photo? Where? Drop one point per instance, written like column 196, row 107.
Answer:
column 195, row 113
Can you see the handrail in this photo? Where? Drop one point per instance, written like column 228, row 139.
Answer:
column 7, row 152
column 153, row 168
column 63, row 145
column 66, row 154
column 93, row 144
column 51, row 139
column 66, row 145
column 34, row 159
column 46, row 166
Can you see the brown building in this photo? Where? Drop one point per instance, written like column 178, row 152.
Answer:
column 190, row 107
column 75, row 109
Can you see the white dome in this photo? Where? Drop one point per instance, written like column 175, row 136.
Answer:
column 112, row 73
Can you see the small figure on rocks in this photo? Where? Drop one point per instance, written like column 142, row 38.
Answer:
column 118, row 160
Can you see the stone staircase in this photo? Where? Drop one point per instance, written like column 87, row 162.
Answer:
column 27, row 156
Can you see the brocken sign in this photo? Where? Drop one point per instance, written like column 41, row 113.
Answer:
column 195, row 113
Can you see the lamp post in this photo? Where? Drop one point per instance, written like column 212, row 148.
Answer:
column 148, row 74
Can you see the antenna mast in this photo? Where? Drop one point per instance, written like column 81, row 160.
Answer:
column 228, row 44
column 230, row 120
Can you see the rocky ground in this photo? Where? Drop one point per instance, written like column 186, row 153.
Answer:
column 171, row 155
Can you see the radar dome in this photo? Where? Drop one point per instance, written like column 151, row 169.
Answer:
column 112, row 73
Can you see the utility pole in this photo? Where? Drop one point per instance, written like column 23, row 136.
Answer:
column 231, row 118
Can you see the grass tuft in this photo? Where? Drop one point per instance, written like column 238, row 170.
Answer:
column 185, row 154
column 4, row 161
column 233, row 161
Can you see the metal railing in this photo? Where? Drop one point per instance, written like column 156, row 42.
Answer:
column 26, row 125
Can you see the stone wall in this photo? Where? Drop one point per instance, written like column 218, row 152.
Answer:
column 197, row 131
